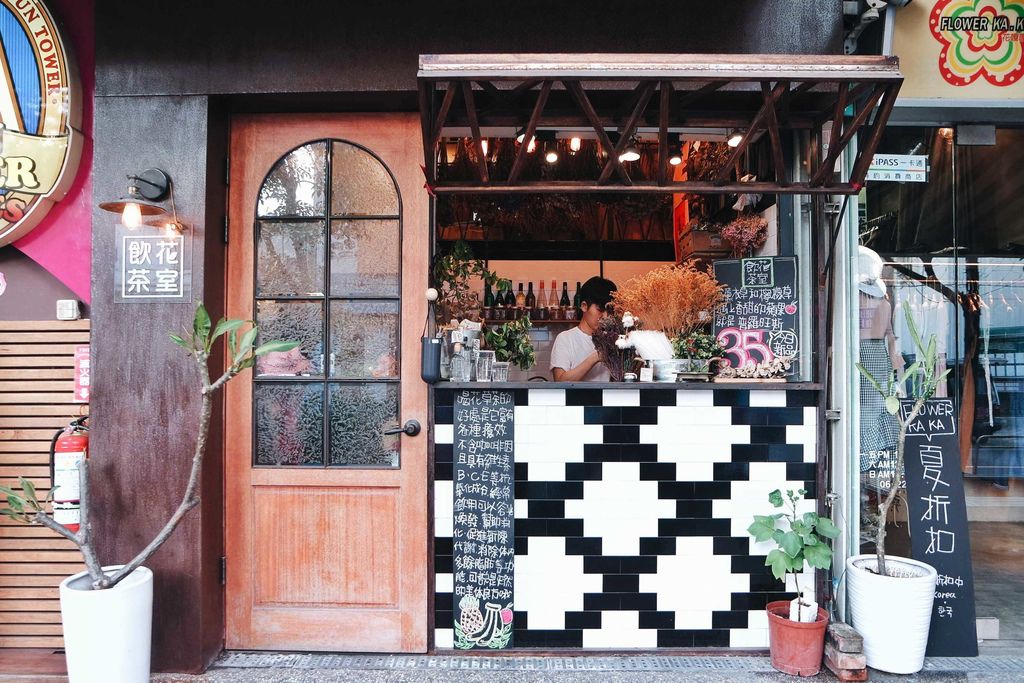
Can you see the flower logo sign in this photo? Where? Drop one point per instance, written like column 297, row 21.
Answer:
column 979, row 38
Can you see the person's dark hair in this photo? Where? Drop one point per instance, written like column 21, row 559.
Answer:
column 597, row 290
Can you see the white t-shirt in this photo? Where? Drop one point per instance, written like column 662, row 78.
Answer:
column 571, row 348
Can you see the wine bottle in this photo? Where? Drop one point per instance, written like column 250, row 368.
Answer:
column 576, row 302
column 520, row 297
column 488, row 296
column 531, row 303
column 552, row 301
column 564, row 302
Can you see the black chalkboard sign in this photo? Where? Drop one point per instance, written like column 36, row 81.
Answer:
column 483, row 535
column 938, row 525
column 761, row 316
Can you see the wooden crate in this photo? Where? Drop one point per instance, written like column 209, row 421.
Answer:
column 36, row 389
column 701, row 244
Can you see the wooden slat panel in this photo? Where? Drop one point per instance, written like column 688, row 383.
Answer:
column 37, row 373
column 43, row 337
column 51, row 581
column 32, row 605
column 26, row 617
column 37, row 349
column 36, row 391
column 51, row 423
column 29, row 629
column 36, row 385
column 50, row 399
column 42, row 325
column 43, row 409
column 19, row 544
column 64, row 569
column 31, row 641
column 67, row 361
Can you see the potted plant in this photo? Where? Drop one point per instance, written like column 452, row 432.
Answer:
column 796, row 641
column 671, row 302
column 511, row 344
column 453, row 274
column 699, row 348
column 107, row 609
column 891, row 597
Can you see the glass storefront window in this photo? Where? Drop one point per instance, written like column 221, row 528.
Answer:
column 951, row 252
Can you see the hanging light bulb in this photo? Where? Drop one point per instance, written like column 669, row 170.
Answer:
column 575, row 144
column 532, row 147
column 735, row 139
column 631, row 153
column 675, row 156
column 550, row 152
column 484, row 146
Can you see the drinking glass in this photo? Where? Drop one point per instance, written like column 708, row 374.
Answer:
column 460, row 366
column 500, row 371
column 484, row 366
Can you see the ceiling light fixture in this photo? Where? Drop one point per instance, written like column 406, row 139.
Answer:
column 631, row 152
column 575, row 145
column 675, row 152
column 735, row 138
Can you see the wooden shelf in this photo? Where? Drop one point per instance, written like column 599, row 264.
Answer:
column 535, row 323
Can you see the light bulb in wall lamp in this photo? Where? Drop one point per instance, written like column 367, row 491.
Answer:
column 735, row 139
column 131, row 216
column 575, row 144
column 550, row 153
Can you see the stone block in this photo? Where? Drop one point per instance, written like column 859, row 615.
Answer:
column 845, row 660
column 844, row 637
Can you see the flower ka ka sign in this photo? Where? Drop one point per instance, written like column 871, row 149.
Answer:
column 980, row 38
column 40, row 111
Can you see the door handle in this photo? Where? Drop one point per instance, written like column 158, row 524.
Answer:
column 410, row 428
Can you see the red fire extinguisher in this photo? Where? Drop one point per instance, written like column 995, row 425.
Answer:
column 68, row 449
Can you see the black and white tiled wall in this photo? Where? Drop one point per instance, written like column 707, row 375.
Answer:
column 631, row 509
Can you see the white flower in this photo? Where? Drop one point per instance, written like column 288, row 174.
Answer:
column 623, row 342
column 628, row 320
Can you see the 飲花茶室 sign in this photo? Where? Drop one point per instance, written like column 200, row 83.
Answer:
column 901, row 168
column 483, row 550
column 938, row 524
column 40, row 145
column 153, row 266
column 760, row 319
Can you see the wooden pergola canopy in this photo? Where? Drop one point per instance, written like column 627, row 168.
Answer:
column 623, row 94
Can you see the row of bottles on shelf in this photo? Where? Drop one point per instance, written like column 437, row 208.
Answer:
column 545, row 305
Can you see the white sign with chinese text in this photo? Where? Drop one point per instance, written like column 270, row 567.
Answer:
column 901, row 168
column 153, row 267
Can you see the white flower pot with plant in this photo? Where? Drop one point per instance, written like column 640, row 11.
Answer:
column 107, row 610
column 890, row 598
column 796, row 639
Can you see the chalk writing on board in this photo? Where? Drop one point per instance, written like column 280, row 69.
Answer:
column 938, row 524
column 760, row 319
column 483, row 548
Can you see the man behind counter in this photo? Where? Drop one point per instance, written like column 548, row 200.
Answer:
column 573, row 357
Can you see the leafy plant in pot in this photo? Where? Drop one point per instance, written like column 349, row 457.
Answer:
column 891, row 597
column 796, row 640
column 511, row 343
column 107, row 609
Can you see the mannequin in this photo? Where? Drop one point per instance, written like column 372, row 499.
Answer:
column 878, row 354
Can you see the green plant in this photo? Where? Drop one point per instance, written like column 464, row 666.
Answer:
column 511, row 343
column 452, row 275
column 800, row 538
column 698, row 345
column 25, row 507
column 923, row 383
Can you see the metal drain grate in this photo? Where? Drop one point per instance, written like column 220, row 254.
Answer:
column 261, row 660
column 984, row 663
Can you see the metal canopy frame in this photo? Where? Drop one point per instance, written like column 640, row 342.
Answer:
column 599, row 93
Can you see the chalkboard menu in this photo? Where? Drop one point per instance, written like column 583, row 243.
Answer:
column 483, row 534
column 938, row 524
column 761, row 316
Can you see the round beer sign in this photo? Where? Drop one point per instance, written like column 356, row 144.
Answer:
column 40, row 112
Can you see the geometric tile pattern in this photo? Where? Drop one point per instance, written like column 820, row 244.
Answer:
column 631, row 511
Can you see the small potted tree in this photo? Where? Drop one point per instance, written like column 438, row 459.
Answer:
column 796, row 639
column 107, row 610
column 891, row 597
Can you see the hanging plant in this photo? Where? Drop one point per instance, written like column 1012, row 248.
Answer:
column 745, row 233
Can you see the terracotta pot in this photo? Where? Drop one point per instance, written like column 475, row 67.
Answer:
column 796, row 648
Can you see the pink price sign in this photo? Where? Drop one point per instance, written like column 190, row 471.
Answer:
column 82, row 374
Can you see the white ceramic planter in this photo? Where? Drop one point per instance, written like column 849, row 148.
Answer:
column 892, row 613
column 107, row 633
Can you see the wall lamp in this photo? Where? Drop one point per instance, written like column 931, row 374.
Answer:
column 142, row 198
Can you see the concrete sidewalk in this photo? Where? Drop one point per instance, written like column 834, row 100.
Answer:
column 1003, row 666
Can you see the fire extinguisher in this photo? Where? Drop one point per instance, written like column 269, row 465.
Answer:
column 68, row 449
